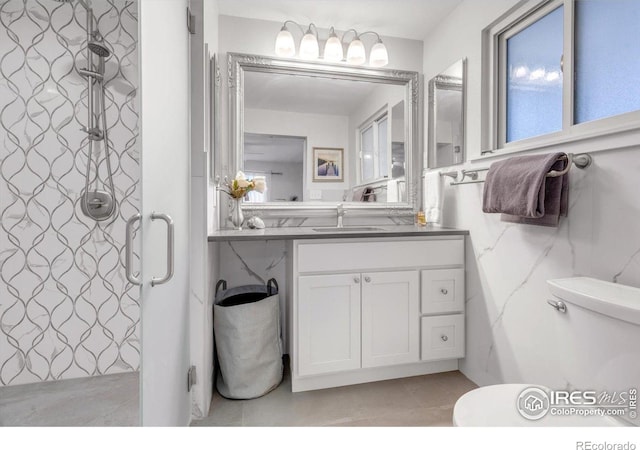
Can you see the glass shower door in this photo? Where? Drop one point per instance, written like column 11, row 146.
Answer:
column 164, row 219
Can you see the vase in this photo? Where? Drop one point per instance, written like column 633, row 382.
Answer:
column 237, row 218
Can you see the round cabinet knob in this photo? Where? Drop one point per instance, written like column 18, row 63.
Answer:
column 367, row 279
column 444, row 291
column 356, row 280
column 444, row 338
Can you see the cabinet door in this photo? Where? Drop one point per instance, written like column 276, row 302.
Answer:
column 328, row 323
column 390, row 318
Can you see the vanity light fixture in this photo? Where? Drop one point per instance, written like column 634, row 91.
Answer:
column 309, row 48
column 333, row 47
column 285, row 45
column 378, row 56
column 356, row 53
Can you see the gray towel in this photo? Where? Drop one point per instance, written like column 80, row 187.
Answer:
column 357, row 194
column 520, row 190
column 369, row 195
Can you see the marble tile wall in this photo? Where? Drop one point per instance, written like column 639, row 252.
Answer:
column 511, row 334
column 255, row 262
column 66, row 308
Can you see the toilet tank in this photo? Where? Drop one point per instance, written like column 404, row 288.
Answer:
column 598, row 335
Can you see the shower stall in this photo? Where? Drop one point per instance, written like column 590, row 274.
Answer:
column 69, row 181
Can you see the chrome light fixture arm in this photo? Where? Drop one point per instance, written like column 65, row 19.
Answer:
column 284, row 26
column 371, row 32
column 355, row 34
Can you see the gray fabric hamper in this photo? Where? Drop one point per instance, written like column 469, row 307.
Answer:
column 246, row 324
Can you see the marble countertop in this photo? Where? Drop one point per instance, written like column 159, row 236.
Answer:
column 286, row 233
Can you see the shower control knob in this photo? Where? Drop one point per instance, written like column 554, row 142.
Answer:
column 444, row 338
column 444, row 291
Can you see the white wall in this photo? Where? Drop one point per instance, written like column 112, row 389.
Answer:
column 283, row 178
column 321, row 130
column 510, row 334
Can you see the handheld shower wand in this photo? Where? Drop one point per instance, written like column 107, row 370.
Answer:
column 98, row 205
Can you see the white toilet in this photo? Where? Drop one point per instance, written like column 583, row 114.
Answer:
column 598, row 333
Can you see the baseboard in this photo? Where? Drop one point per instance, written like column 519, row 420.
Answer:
column 309, row 383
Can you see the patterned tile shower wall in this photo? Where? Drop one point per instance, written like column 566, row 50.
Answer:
column 66, row 308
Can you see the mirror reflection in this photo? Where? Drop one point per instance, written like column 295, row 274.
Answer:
column 319, row 139
column 280, row 160
column 446, row 116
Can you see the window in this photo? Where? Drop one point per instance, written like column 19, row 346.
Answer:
column 607, row 58
column 533, row 102
column 374, row 149
column 534, row 79
column 255, row 196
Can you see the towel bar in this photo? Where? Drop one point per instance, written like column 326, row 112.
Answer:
column 581, row 161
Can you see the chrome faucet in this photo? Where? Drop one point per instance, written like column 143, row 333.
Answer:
column 340, row 212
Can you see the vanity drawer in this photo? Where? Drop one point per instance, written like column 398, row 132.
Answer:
column 442, row 337
column 334, row 256
column 442, row 291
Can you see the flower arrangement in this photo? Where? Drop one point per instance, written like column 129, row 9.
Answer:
column 240, row 186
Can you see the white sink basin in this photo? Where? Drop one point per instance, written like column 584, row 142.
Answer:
column 346, row 229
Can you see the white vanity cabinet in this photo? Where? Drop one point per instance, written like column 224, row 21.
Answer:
column 368, row 309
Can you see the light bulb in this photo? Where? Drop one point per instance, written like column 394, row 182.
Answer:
column 355, row 52
column 309, row 48
column 333, row 49
column 379, row 56
column 285, row 46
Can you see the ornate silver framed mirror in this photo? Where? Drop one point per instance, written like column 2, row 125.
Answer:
column 325, row 134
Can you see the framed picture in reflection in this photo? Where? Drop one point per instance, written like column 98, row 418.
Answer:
column 328, row 164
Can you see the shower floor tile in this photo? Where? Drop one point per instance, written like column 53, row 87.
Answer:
column 108, row 400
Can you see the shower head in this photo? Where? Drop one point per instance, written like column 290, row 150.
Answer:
column 99, row 49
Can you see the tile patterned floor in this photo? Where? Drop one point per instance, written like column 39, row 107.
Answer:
column 417, row 401
column 109, row 400
column 112, row 400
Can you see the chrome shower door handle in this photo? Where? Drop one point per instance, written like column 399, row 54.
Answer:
column 170, row 247
column 128, row 253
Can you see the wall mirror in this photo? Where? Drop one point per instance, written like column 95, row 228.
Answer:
column 446, row 116
column 324, row 134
